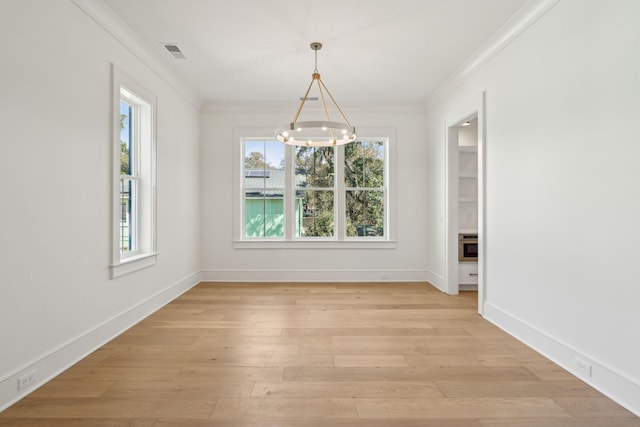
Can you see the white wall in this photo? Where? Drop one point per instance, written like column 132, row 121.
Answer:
column 560, row 178
column 220, row 261
column 56, row 299
column 561, row 194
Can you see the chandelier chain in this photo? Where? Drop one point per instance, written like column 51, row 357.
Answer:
column 315, row 70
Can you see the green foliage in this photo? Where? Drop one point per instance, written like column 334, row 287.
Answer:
column 315, row 169
column 124, row 159
column 317, row 213
column 255, row 160
column 364, row 164
column 364, row 180
column 364, row 174
column 315, row 166
column 124, row 150
column 365, row 213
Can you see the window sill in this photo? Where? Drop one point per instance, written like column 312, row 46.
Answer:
column 133, row 264
column 314, row 244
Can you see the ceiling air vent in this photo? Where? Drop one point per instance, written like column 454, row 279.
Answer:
column 309, row 98
column 174, row 50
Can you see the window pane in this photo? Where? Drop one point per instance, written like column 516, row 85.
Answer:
column 365, row 213
column 127, row 186
column 264, row 213
column 314, row 166
column 263, row 164
column 263, row 182
column 126, row 120
column 314, row 212
column 274, row 155
column 364, row 164
column 127, row 215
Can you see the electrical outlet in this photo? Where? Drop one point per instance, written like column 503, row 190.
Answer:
column 583, row 366
column 27, row 379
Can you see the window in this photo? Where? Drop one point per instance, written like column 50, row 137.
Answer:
column 364, row 180
column 313, row 196
column 134, row 177
column 315, row 191
column 263, row 189
column 129, row 150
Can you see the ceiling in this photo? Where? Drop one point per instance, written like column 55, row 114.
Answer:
column 258, row 50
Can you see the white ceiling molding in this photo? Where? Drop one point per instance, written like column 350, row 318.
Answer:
column 511, row 30
column 289, row 107
column 113, row 25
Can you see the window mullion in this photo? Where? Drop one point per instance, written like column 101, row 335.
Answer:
column 289, row 194
column 339, row 195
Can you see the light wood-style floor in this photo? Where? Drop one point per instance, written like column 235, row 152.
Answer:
column 353, row 354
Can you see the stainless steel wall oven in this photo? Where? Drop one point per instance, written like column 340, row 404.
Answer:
column 468, row 247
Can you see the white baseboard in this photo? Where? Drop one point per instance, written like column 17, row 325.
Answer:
column 613, row 384
column 314, row 275
column 58, row 360
column 436, row 280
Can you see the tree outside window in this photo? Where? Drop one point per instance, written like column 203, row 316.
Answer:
column 364, row 188
column 315, row 181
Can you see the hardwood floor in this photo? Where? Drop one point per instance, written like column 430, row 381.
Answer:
column 352, row 354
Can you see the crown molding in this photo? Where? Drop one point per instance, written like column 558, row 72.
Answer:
column 289, row 107
column 112, row 24
column 526, row 16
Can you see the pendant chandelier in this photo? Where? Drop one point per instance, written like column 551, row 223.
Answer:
column 319, row 133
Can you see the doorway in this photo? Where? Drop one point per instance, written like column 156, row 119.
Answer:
column 464, row 206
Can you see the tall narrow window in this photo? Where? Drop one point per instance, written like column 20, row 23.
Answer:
column 315, row 191
column 129, row 148
column 263, row 189
column 134, row 177
column 364, row 178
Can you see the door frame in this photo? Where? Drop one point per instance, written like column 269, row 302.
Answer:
column 451, row 199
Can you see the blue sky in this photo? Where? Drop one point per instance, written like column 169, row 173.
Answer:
column 273, row 151
column 124, row 133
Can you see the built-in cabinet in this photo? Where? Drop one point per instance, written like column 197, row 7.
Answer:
column 468, row 189
column 468, row 273
column 468, row 207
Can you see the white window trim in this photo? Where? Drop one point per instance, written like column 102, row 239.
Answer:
column 337, row 241
column 145, row 254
